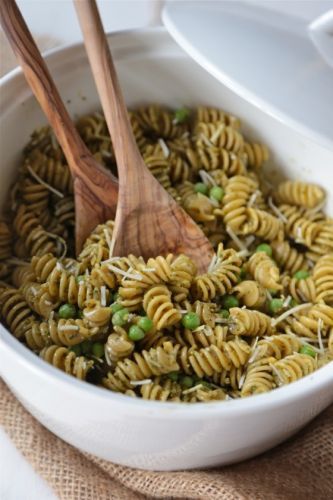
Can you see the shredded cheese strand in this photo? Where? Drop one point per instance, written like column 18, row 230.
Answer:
column 43, row 183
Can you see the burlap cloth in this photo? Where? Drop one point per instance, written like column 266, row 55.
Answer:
column 300, row 469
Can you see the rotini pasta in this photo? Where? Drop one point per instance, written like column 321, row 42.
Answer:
column 261, row 316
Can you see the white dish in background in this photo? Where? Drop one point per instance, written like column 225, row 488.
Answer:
column 281, row 63
column 147, row 434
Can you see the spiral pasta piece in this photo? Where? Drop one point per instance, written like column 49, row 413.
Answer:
column 159, row 308
column 118, row 345
column 323, row 279
column 208, row 114
column 298, row 226
column 288, row 257
column 279, row 346
column 15, row 311
column 221, row 279
column 257, row 154
column 264, row 271
column 237, row 194
column 302, row 290
column 300, row 193
column 293, row 367
column 67, row 361
column 249, row 323
column 159, row 390
column 37, row 240
column 219, row 135
column 210, row 360
column 159, row 361
column 251, row 294
column 259, row 377
column 262, row 224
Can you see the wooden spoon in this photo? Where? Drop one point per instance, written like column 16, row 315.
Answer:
column 148, row 221
column 95, row 189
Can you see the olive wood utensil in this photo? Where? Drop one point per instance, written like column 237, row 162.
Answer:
column 148, row 221
column 95, row 189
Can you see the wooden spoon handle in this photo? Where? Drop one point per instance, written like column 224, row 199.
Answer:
column 109, row 90
column 36, row 72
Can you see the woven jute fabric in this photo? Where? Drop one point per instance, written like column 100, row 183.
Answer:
column 300, row 469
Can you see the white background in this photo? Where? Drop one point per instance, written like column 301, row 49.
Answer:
column 56, row 19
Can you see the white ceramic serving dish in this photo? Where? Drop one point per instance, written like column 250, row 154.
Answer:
column 154, row 435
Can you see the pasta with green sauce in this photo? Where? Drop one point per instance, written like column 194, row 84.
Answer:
column 260, row 317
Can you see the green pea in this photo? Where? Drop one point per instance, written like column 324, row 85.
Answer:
column 145, row 324
column 86, row 347
column 67, row 311
column 80, row 314
column 173, row 376
column 76, row 349
column 275, row 305
column 200, row 187
column 307, row 349
column 98, row 349
column 229, row 301
column 224, row 313
column 120, row 317
column 293, row 303
column 264, row 247
column 135, row 333
column 181, row 115
column 191, row 321
column 216, row 193
column 116, row 307
column 80, row 278
column 301, row 275
column 186, row 382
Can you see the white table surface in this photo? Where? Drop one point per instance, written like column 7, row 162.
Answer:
column 18, row 481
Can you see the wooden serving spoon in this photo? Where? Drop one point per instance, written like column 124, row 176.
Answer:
column 148, row 221
column 95, row 189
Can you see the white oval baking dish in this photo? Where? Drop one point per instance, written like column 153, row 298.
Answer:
column 154, row 435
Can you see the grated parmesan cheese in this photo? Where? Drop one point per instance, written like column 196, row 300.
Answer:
column 68, row 327
column 253, row 198
column 43, row 183
column 241, row 381
column 287, row 301
column 206, row 178
column 212, row 264
column 217, row 132
column 277, row 373
column 141, row 382
column 291, row 311
column 193, row 389
column 103, row 295
column 277, row 212
column 213, row 202
column 200, row 328
column 126, row 274
column 320, row 340
column 206, row 140
column 107, row 356
column 238, row 242
column 164, row 147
